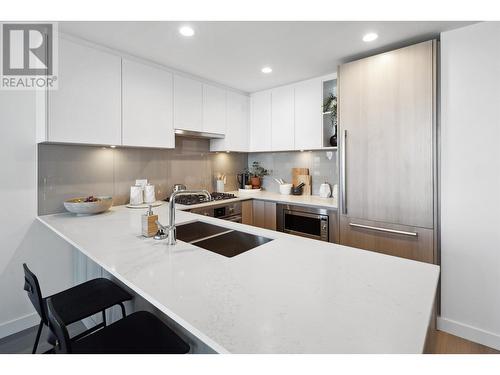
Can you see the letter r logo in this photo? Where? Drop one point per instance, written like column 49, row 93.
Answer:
column 27, row 49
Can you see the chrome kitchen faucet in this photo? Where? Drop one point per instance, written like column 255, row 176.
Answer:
column 170, row 228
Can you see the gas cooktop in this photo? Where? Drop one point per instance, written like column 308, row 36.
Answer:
column 191, row 199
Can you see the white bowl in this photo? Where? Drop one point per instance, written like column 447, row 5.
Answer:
column 286, row 189
column 78, row 206
column 249, row 191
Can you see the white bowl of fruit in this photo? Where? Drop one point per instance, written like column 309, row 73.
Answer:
column 88, row 205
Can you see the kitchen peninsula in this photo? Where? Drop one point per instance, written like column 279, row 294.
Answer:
column 289, row 295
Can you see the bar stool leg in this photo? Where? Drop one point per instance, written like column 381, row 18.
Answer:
column 123, row 309
column 104, row 318
column 40, row 326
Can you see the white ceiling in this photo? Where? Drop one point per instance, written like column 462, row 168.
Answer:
column 232, row 53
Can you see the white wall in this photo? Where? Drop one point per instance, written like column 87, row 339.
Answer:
column 22, row 238
column 470, row 183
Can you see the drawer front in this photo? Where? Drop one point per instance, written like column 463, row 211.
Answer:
column 398, row 240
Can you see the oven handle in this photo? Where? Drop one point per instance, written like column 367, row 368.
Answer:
column 302, row 234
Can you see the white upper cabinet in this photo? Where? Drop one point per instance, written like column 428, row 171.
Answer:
column 214, row 109
column 282, row 119
column 86, row 108
column 260, row 121
column 188, row 104
column 237, row 116
column 308, row 115
column 147, row 106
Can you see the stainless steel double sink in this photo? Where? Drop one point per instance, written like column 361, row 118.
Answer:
column 220, row 240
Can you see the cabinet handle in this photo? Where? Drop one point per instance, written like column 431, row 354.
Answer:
column 393, row 231
column 343, row 174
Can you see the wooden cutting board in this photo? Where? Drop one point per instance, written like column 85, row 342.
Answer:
column 296, row 172
column 306, row 179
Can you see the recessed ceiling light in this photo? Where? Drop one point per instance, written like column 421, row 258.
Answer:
column 370, row 37
column 266, row 70
column 186, row 31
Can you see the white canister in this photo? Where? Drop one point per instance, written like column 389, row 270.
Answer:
column 149, row 194
column 325, row 190
column 286, row 189
column 136, row 195
column 219, row 186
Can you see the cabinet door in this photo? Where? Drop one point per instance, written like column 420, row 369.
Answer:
column 259, row 214
column 386, row 107
column 247, row 212
column 188, row 104
column 214, row 109
column 270, row 215
column 260, row 121
column 308, row 115
column 147, row 106
column 264, row 214
column 282, row 119
column 87, row 106
column 237, row 119
column 374, row 236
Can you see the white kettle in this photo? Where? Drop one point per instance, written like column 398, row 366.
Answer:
column 325, row 191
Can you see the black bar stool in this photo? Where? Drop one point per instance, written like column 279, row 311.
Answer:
column 139, row 333
column 76, row 303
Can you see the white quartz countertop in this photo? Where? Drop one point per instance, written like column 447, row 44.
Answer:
column 290, row 295
column 300, row 200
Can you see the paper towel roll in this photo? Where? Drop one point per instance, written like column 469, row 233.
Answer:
column 136, row 195
column 149, row 194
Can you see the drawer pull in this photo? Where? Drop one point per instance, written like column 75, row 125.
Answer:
column 412, row 234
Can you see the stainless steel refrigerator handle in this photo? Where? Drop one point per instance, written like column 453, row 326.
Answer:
column 394, row 231
column 343, row 189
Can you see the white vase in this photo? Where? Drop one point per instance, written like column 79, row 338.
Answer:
column 325, row 190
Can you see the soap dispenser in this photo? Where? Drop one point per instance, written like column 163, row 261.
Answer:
column 149, row 219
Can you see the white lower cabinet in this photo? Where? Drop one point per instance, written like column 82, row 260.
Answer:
column 236, row 131
column 86, row 107
column 147, row 108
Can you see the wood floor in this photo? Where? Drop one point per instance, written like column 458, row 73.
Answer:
column 443, row 343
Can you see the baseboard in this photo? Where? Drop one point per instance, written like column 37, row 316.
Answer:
column 19, row 324
column 470, row 333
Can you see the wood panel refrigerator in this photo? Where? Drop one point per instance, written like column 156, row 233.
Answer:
column 387, row 120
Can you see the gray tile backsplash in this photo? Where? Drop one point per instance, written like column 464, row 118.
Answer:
column 280, row 164
column 67, row 171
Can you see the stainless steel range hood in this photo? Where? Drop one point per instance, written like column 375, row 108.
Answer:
column 195, row 134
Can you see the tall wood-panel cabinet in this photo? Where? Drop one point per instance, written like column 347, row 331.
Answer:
column 147, row 106
column 387, row 164
column 86, row 107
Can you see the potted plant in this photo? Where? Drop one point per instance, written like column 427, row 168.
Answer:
column 256, row 174
column 330, row 107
